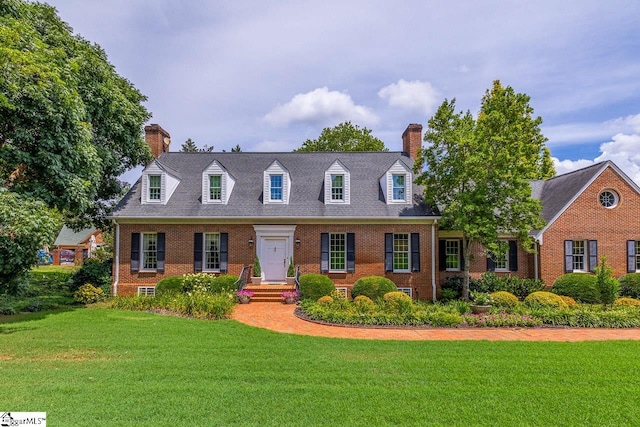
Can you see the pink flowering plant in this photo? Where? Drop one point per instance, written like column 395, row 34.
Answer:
column 289, row 295
column 244, row 293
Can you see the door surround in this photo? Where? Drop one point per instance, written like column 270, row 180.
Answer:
column 264, row 232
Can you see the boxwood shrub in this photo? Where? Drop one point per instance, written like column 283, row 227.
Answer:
column 314, row 286
column 544, row 299
column 630, row 285
column 373, row 287
column 224, row 283
column 504, row 299
column 171, row 284
column 579, row 286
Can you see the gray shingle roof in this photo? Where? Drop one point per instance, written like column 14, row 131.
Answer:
column 69, row 237
column 307, row 187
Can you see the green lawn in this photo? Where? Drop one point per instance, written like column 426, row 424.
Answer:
column 108, row 367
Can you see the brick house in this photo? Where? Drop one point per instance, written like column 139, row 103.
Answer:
column 346, row 215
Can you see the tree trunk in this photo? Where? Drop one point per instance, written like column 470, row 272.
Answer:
column 466, row 251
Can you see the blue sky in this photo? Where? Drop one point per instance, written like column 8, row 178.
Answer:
column 270, row 74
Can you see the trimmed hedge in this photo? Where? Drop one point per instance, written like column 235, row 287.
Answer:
column 224, row 283
column 579, row 286
column 315, row 286
column 630, row 285
column 373, row 287
column 627, row 302
column 171, row 284
column 504, row 299
column 545, row 299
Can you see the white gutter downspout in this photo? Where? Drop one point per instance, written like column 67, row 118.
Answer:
column 535, row 261
column 433, row 259
column 116, row 273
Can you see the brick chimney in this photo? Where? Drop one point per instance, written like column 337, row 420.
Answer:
column 412, row 140
column 157, row 139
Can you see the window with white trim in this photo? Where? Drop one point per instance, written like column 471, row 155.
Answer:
column 501, row 261
column 408, row 291
column 399, row 186
column 401, row 253
column 637, row 255
column 579, row 254
column 452, row 255
column 337, row 252
column 275, row 187
column 337, row 187
column 215, row 187
column 342, row 291
column 155, row 187
column 212, row 251
column 149, row 251
column 608, row 199
column 146, row 291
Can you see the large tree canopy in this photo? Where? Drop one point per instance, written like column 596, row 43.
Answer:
column 344, row 137
column 478, row 171
column 70, row 124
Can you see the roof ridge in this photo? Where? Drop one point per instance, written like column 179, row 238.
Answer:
column 595, row 165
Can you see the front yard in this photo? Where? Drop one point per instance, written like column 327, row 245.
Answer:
column 110, row 367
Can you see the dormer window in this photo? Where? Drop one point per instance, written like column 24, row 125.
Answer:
column 336, row 184
column 158, row 184
column 399, row 189
column 337, row 187
column 215, row 187
column 217, row 184
column 275, row 187
column 396, row 183
column 155, row 187
column 277, row 184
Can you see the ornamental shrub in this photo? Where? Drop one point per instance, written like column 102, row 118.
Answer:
column 569, row 301
column 169, row 285
column 325, row 300
column 490, row 282
column 88, row 294
column 504, row 299
column 448, row 295
column 544, row 299
column 398, row 302
column 627, row 302
column 579, row 286
column 630, row 285
column 224, row 283
column 364, row 304
column 608, row 287
column 373, row 287
column 453, row 286
column 314, row 286
column 93, row 271
column 198, row 282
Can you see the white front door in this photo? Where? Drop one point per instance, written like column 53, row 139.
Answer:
column 274, row 259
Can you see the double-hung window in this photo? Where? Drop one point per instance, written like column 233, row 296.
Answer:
column 579, row 253
column 337, row 252
column 637, row 255
column 401, row 253
column 452, row 255
column 212, row 251
column 215, row 187
column 275, row 187
column 399, row 193
column 155, row 187
column 633, row 256
column 149, row 251
column 337, row 187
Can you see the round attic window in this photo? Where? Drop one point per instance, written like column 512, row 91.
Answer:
column 609, row 199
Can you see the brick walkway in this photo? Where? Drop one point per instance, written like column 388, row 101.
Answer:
column 280, row 318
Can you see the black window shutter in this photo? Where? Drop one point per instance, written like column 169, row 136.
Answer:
column 135, row 252
column 224, row 252
column 442, row 255
column 161, row 245
column 388, row 252
column 568, row 256
column 461, row 254
column 324, row 252
column 593, row 255
column 513, row 255
column 351, row 252
column 631, row 256
column 197, row 252
column 491, row 265
column 415, row 252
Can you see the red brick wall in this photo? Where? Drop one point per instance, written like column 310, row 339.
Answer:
column 369, row 251
column 586, row 219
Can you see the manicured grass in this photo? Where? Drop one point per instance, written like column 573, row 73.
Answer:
column 108, row 367
column 58, row 268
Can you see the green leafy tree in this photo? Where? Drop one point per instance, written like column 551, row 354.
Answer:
column 236, row 149
column 70, row 124
column 189, row 146
column 344, row 137
column 25, row 226
column 478, row 171
column 607, row 286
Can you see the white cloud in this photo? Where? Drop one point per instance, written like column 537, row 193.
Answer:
column 320, row 106
column 564, row 166
column 415, row 96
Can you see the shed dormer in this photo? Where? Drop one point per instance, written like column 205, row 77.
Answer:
column 396, row 183
column 337, row 184
column 158, row 184
column 217, row 184
column 277, row 184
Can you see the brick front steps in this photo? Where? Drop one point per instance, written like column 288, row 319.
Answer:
column 268, row 293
